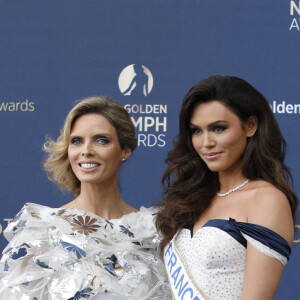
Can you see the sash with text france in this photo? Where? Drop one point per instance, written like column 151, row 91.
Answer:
column 182, row 285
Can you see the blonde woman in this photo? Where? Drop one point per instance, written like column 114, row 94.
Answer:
column 96, row 246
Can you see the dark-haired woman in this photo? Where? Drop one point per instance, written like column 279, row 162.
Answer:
column 96, row 246
column 228, row 212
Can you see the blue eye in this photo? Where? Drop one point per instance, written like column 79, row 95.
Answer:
column 196, row 130
column 76, row 141
column 102, row 141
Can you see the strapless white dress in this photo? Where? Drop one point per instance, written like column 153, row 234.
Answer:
column 216, row 255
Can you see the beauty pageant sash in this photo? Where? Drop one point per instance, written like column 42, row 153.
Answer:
column 181, row 283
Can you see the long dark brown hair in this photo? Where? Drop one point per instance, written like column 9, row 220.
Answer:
column 189, row 186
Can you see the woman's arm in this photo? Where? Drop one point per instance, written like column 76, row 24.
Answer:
column 270, row 209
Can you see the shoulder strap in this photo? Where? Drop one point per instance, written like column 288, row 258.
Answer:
column 265, row 236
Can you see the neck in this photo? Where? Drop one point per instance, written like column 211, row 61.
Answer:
column 104, row 201
column 230, row 181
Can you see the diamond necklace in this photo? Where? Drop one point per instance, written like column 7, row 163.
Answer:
column 234, row 189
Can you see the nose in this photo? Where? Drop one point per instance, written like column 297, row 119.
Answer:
column 208, row 140
column 87, row 149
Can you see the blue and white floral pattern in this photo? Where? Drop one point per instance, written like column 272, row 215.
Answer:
column 57, row 253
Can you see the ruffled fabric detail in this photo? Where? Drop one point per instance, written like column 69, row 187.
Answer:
column 57, row 253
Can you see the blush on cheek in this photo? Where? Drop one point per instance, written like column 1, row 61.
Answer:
column 236, row 147
column 233, row 139
column 195, row 143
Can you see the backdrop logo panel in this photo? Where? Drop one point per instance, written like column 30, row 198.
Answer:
column 295, row 13
column 13, row 106
column 135, row 79
column 150, row 119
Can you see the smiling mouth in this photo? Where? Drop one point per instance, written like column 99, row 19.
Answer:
column 212, row 156
column 89, row 166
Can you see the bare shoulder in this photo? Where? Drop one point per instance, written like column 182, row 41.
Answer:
column 270, row 208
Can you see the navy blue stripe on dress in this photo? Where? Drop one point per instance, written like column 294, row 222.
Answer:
column 262, row 234
column 266, row 236
column 228, row 227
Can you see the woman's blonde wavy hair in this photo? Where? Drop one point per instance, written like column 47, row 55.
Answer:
column 57, row 164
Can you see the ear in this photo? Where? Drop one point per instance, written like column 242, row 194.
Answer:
column 251, row 126
column 126, row 153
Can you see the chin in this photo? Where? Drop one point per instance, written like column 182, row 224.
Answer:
column 214, row 167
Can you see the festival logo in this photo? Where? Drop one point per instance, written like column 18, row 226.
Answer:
column 150, row 122
column 135, row 80
column 149, row 119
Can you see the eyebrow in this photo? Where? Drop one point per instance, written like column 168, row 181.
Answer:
column 102, row 134
column 218, row 122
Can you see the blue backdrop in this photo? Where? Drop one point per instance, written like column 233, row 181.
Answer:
column 146, row 55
